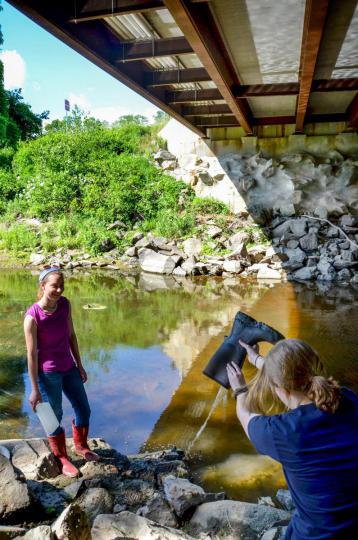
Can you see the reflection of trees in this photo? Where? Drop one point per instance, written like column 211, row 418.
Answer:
column 11, row 395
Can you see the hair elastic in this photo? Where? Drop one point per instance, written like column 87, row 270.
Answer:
column 47, row 271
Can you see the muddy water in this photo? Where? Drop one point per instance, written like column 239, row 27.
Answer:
column 145, row 352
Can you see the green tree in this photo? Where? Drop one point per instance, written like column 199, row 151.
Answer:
column 77, row 120
column 161, row 117
column 131, row 119
column 4, row 116
column 24, row 124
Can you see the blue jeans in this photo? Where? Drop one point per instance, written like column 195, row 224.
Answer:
column 53, row 383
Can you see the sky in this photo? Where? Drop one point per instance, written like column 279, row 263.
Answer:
column 48, row 71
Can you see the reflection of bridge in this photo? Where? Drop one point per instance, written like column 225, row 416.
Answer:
column 192, row 400
column 211, row 64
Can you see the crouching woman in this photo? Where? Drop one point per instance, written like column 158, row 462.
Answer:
column 55, row 365
column 316, row 441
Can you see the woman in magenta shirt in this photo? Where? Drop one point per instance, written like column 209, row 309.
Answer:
column 316, row 441
column 55, row 365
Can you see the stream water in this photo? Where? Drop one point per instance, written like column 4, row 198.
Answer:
column 145, row 352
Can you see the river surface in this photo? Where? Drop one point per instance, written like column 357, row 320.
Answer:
column 145, row 352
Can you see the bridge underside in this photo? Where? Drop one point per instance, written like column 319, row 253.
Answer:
column 222, row 65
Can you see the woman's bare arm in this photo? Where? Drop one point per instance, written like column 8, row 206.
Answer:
column 30, row 330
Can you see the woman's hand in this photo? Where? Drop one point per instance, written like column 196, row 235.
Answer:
column 34, row 399
column 252, row 352
column 235, row 375
column 83, row 373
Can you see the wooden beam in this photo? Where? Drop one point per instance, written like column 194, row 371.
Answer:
column 206, row 110
column 198, row 25
column 315, row 17
column 175, row 76
column 352, row 113
column 101, row 9
column 262, row 90
column 141, row 50
column 335, row 85
column 222, row 121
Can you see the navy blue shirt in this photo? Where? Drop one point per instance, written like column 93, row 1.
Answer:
column 319, row 455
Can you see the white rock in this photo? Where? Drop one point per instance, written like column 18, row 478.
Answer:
column 268, row 273
column 150, row 261
column 157, row 509
column 37, row 258
column 43, row 532
column 182, row 494
column 179, row 272
column 15, row 498
column 192, row 246
column 213, row 231
column 232, row 266
column 246, row 520
column 129, row 525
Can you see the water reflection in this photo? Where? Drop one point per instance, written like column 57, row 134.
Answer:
column 145, row 353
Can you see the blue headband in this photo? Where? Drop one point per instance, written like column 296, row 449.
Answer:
column 47, row 271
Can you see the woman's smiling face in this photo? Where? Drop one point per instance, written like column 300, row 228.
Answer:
column 53, row 286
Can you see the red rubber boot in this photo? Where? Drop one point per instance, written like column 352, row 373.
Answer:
column 80, row 435
column 58, row 446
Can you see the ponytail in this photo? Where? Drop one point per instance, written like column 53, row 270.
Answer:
column 325, row 393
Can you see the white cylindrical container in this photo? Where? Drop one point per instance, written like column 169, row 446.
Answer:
column 47, row 417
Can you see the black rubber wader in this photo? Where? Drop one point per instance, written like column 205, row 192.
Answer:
column 249, row 331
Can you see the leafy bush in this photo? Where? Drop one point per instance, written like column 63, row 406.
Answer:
column 173, row 225
column 208, row 205
column 18, row 238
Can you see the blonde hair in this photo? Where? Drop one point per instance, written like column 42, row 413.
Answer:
column 293, row 365
column 40, row 290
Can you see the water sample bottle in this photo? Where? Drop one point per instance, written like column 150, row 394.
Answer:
column 47, row 417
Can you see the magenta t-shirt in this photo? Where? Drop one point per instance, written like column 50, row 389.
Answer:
column 53, row 337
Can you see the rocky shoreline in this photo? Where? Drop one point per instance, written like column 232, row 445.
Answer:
column 302, row 248
column 144, row 496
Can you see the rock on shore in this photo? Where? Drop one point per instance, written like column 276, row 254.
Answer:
column 146, row 496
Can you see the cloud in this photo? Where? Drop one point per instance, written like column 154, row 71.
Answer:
column 14, row 69
column 107, row 113
column 80, row 100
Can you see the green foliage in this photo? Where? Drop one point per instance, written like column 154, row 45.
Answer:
column 29, row 124
column 17, row 238
column 173, row 225
column 208, row 205
column 136, row 119
column 80, row 177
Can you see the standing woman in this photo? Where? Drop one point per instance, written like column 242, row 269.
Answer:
column 316, row 441
column 55, row 366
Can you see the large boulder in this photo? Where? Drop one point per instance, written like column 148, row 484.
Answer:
column 95, row 501
column 15, row 497
column 158, row 510
column 42, row 532
column 182, row 494
column 130, row 526
column 72, row 524
column 150, row 261
column 192, row 247
column 235, row 520
column 35, row 460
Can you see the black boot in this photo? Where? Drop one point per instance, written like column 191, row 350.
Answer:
column 247, row 330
